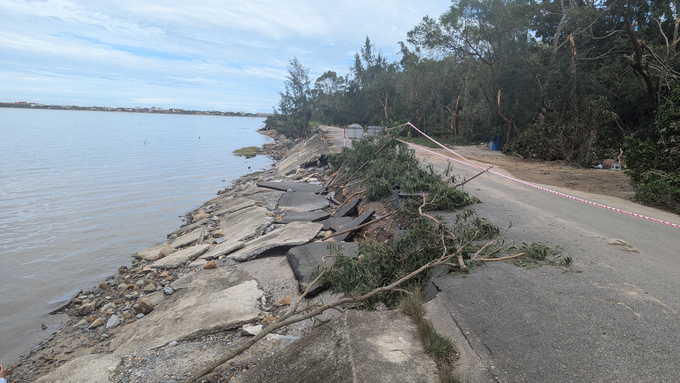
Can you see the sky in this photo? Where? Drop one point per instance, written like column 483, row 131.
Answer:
column 204, row 54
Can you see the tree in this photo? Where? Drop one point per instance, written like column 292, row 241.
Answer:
column 295, row 105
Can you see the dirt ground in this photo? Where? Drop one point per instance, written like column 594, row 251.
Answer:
column 553, row 173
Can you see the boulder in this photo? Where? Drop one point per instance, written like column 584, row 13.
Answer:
column 143, row 306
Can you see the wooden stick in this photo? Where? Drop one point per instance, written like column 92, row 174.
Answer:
column 475, row 176
column 502, row 258
column 358, row 227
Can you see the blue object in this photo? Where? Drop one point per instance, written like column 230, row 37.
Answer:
column 495, row 142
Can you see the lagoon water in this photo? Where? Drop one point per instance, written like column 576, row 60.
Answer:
column 80, row 192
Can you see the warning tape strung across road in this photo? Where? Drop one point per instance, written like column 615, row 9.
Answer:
column 468, row 163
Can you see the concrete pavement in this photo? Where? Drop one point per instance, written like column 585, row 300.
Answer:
column 613, row 319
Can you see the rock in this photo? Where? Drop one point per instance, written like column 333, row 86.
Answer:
column 127, row 315
column 113, row 321
column 285, row 301
column 210, row 265
column 122, row 270
column 149, row 288
column 85, row 309
column 104, row 286
column 122, row 287
column 143, row 306
column 268, row 319
column 179, row 258
column 292, row 234
column 168, row 291
column 98, row 322
column 189, row 227
column 92, row 318
column 251, row 330
column 82, row 323
column 139, row 316
column 107, row 307
column 149, row 254
column 173, row 343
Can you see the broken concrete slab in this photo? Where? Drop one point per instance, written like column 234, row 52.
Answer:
column 335, row 223
column 302, row 201
column 233, row 205
column 292, row 234
column 189, row 227
column 179, row 258
column 244, row 223
column 348, row 208
column 94, row 368
column 306, row 259
column 222, row 249
column 149, row 254
column 195, row 236
column 302, row 154
column 208, row 302
column 360, row 220
column 294, row 186
column 305, row 216
column 360, row 346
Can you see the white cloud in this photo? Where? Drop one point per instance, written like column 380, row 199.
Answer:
column 205, row 52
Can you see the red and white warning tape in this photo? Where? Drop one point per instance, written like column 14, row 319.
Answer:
column 467, row 162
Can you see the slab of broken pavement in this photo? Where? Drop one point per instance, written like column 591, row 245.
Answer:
column 238, row 264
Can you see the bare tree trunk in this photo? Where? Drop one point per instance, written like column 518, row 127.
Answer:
column 637, row 61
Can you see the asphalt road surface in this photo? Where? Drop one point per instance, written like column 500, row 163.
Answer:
column 614, row 318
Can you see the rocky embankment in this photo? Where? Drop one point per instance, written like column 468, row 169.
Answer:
column 237, row 264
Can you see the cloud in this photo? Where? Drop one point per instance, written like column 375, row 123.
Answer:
column 205, row 52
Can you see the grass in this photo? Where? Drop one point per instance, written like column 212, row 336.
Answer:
column 440, row 348
column 248, row 151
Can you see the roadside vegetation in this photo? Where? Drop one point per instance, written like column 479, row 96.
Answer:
column 570, row 81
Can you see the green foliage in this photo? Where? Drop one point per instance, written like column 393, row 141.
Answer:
column 384, row 164
column 555, row 137
column 295, row 105
column 380, row 264
column 654, row 164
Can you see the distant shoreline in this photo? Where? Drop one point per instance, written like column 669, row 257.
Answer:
column 152, row 110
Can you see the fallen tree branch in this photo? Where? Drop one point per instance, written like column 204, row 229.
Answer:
column 358, row 227
column 286, row 319
column 475, row 176
column 501, row 258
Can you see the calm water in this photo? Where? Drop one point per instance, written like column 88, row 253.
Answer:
column 80, row 192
